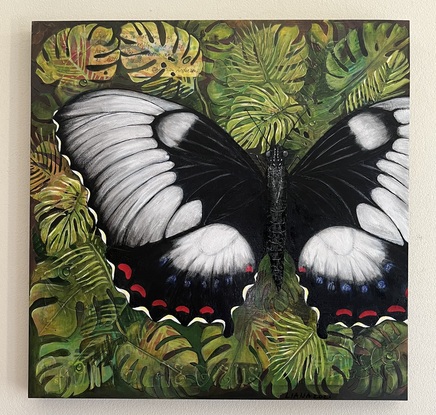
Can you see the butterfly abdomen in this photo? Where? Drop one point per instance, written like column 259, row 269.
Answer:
column 276, row 228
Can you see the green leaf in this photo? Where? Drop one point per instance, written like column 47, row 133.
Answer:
column 75, row 290
column 254, row 94
column 229, row 361
column 339, row 361
column 78, row 59
column 45, row 163
column 275, row 54
column 157, row 360
column 73, row 366
column 216, row 40
column 385, row 82
column 296, row 352
column 363, row 56
column 62, row 214
column 381, row 366
column 164, row 59
column 262, row 116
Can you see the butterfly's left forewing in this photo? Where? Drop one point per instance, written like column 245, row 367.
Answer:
column 180, row 202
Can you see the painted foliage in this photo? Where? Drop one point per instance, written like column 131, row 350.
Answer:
column 219, row 209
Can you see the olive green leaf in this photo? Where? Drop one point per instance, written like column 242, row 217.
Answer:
column 62, row 214
column 229, row 361
column 254, row 95
column 43, row 109
column 45, row 163
column 75, row 291
column 296, row 353
column 368, row 65
column 157, row 360
column 165, row 60
column 216, row 40
column 381, row 366
column 78, row 59
column 339, row 361
column 70, row 367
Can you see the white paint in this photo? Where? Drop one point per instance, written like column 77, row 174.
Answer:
column 403, row 131
column 130, row 165
column 151, row 221
column 394, row 186
column 369, row 130
column 99, row 158
column 122, row 216
column 345, row 254
column 106, row 127
column 395, row 208
column 186, row 217
column 398, row 158
column 394, row 104
column 118, row 187
column 173, row 128
column 378, row 223
column 401, row 145
column 402, row 116
column 395, row 170
column 213, row 250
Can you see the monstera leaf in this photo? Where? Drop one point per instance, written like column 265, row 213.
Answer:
column 381, row 366
column 78, row 59
column 157, row 360
column 254, row 95
column 63, row 217
column 75, row 291
column 164, row 59
column 45, row 163
column 73, row 366
column 216, row 40
column 339, row 361
column 369, row 65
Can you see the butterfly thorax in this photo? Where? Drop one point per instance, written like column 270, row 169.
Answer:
column 276, row 229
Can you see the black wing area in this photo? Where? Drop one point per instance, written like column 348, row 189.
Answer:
column 348, row 216
column 181, row 204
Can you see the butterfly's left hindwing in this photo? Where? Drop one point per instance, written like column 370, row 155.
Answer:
column 180, row 202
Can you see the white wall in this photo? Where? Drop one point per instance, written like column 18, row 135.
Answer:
column 15, row 27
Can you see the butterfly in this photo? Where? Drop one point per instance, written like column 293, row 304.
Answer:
column 188, row 214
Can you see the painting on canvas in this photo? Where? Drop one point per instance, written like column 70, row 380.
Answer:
column 219, row 209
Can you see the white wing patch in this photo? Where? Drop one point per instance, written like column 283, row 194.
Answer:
column 173, row 128
column 186, row 217
column 213, row 250
column 374, row 221
column 110, row 138
column 369, row 130
column 388, row 220
column 345, row 254
column 394, row 208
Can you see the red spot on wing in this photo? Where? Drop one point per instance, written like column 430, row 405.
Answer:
column 126, row 269
column 344, row 311
column 207, row 310
column 139, row 289
column 182, row 309
column 159, row 303
column 396, row 309
column 302, row 269
column 368, row 313
column 249, row 268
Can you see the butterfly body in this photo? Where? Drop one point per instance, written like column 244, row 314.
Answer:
column 188, row 215
column 276, row 227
